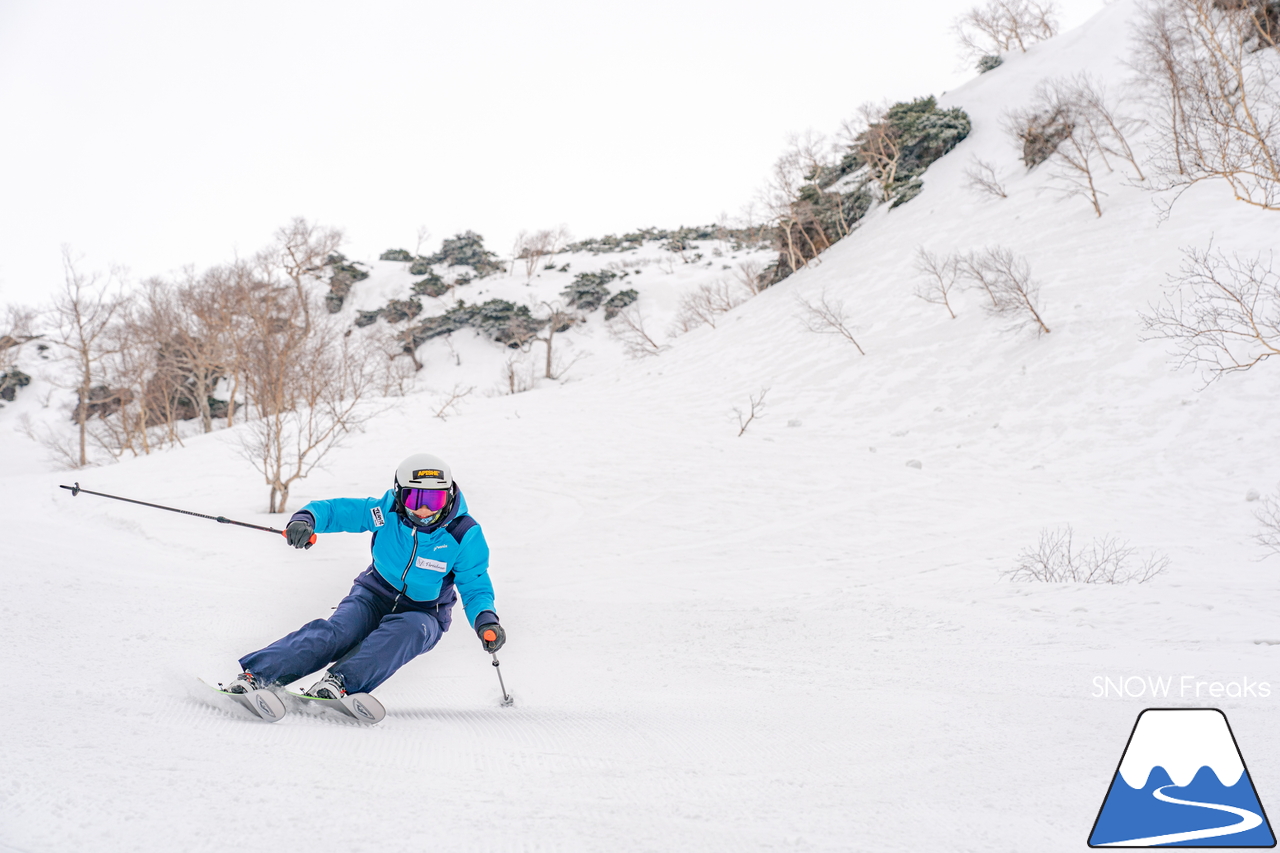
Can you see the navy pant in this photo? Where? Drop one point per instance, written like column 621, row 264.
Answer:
column 368, row 641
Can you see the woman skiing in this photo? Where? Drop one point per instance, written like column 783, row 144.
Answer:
column 426, row 549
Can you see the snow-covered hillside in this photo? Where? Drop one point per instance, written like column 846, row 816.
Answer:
column 785, row 639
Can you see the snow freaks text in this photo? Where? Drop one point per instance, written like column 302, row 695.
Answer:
column 1177, row 687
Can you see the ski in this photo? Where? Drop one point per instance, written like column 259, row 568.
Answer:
column 360, row 707
column 263, row 704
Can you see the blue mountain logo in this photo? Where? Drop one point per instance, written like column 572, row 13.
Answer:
column 1182, row 783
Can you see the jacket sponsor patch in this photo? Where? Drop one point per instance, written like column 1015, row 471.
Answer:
column 431, row 565
column 378, row 520
column 432, row 473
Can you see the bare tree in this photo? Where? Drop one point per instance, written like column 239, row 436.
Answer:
column 754, row 410
column 19, row 328
column 979, row 276
column 827, row 316
column 1006, row 279
column 1109, row 127
column 750, row 274
column 558, row 319
column 517, row 374
column 1269, row 517
column 1057, row 559
column 1211, row 68
column 130, row 368
column 82, row 315
column 704, row 305
column 776, row 199
column 299, row 251
column 1072, row 124
column 940, row 277
column 627, row 327
column 450, row 403
column 999, row 26
column 880, row 145
column 1074, row 159
column 424, row 234
column 982, row 178
column 798, row 208
column 192, row 324
column 307, row 389
column 532, row 248
column 1221, row 312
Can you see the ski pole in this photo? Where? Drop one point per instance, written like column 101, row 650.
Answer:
column 75, row 490
column 507, row 700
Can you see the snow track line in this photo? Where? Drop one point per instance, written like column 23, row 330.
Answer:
column 1248, row 820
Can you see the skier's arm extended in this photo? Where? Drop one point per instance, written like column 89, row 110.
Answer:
column 342, row 515
column 471, row 574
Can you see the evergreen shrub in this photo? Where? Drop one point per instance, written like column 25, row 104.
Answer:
column 467, row 250
column 10, row 382
column 399, row 310
column 432, row 285
column 618, row 301
column 342, row 279
column 497, row 319
column 588, row 290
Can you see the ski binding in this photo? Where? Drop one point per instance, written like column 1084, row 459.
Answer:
column 263, row 704
column 361, row 707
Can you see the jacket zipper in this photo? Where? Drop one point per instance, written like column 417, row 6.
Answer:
column 404, row 582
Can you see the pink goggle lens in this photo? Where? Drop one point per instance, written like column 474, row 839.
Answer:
column 432, row 499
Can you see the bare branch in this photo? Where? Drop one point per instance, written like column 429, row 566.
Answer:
column 1108, row 560
column 827, row 316
column 755, row 410
column 1221, row 313
column 1006, row 279
column 308, row 390
column 1269, row 517
column 1216, row 94
column 627, row 327
column 456, row 396
column 1071, row 124
column 705, row 304
column 532, row 248
column 83, row 314
column 1000, row 26
column 982, row 178
column 941, row 275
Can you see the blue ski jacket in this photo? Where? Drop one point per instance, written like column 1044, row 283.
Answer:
column 418, row 560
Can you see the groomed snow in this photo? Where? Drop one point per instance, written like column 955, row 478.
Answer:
column 785, row 640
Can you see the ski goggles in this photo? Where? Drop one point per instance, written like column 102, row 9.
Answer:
column 432, row 499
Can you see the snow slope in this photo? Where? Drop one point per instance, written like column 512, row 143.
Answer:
column 785, row 640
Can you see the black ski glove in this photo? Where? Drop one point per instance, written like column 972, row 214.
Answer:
column 300, row 534
column 492, row 636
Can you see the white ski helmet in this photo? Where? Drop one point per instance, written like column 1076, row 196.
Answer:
column 423, row 471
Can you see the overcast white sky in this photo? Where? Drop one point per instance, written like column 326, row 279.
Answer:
column 153, row 134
